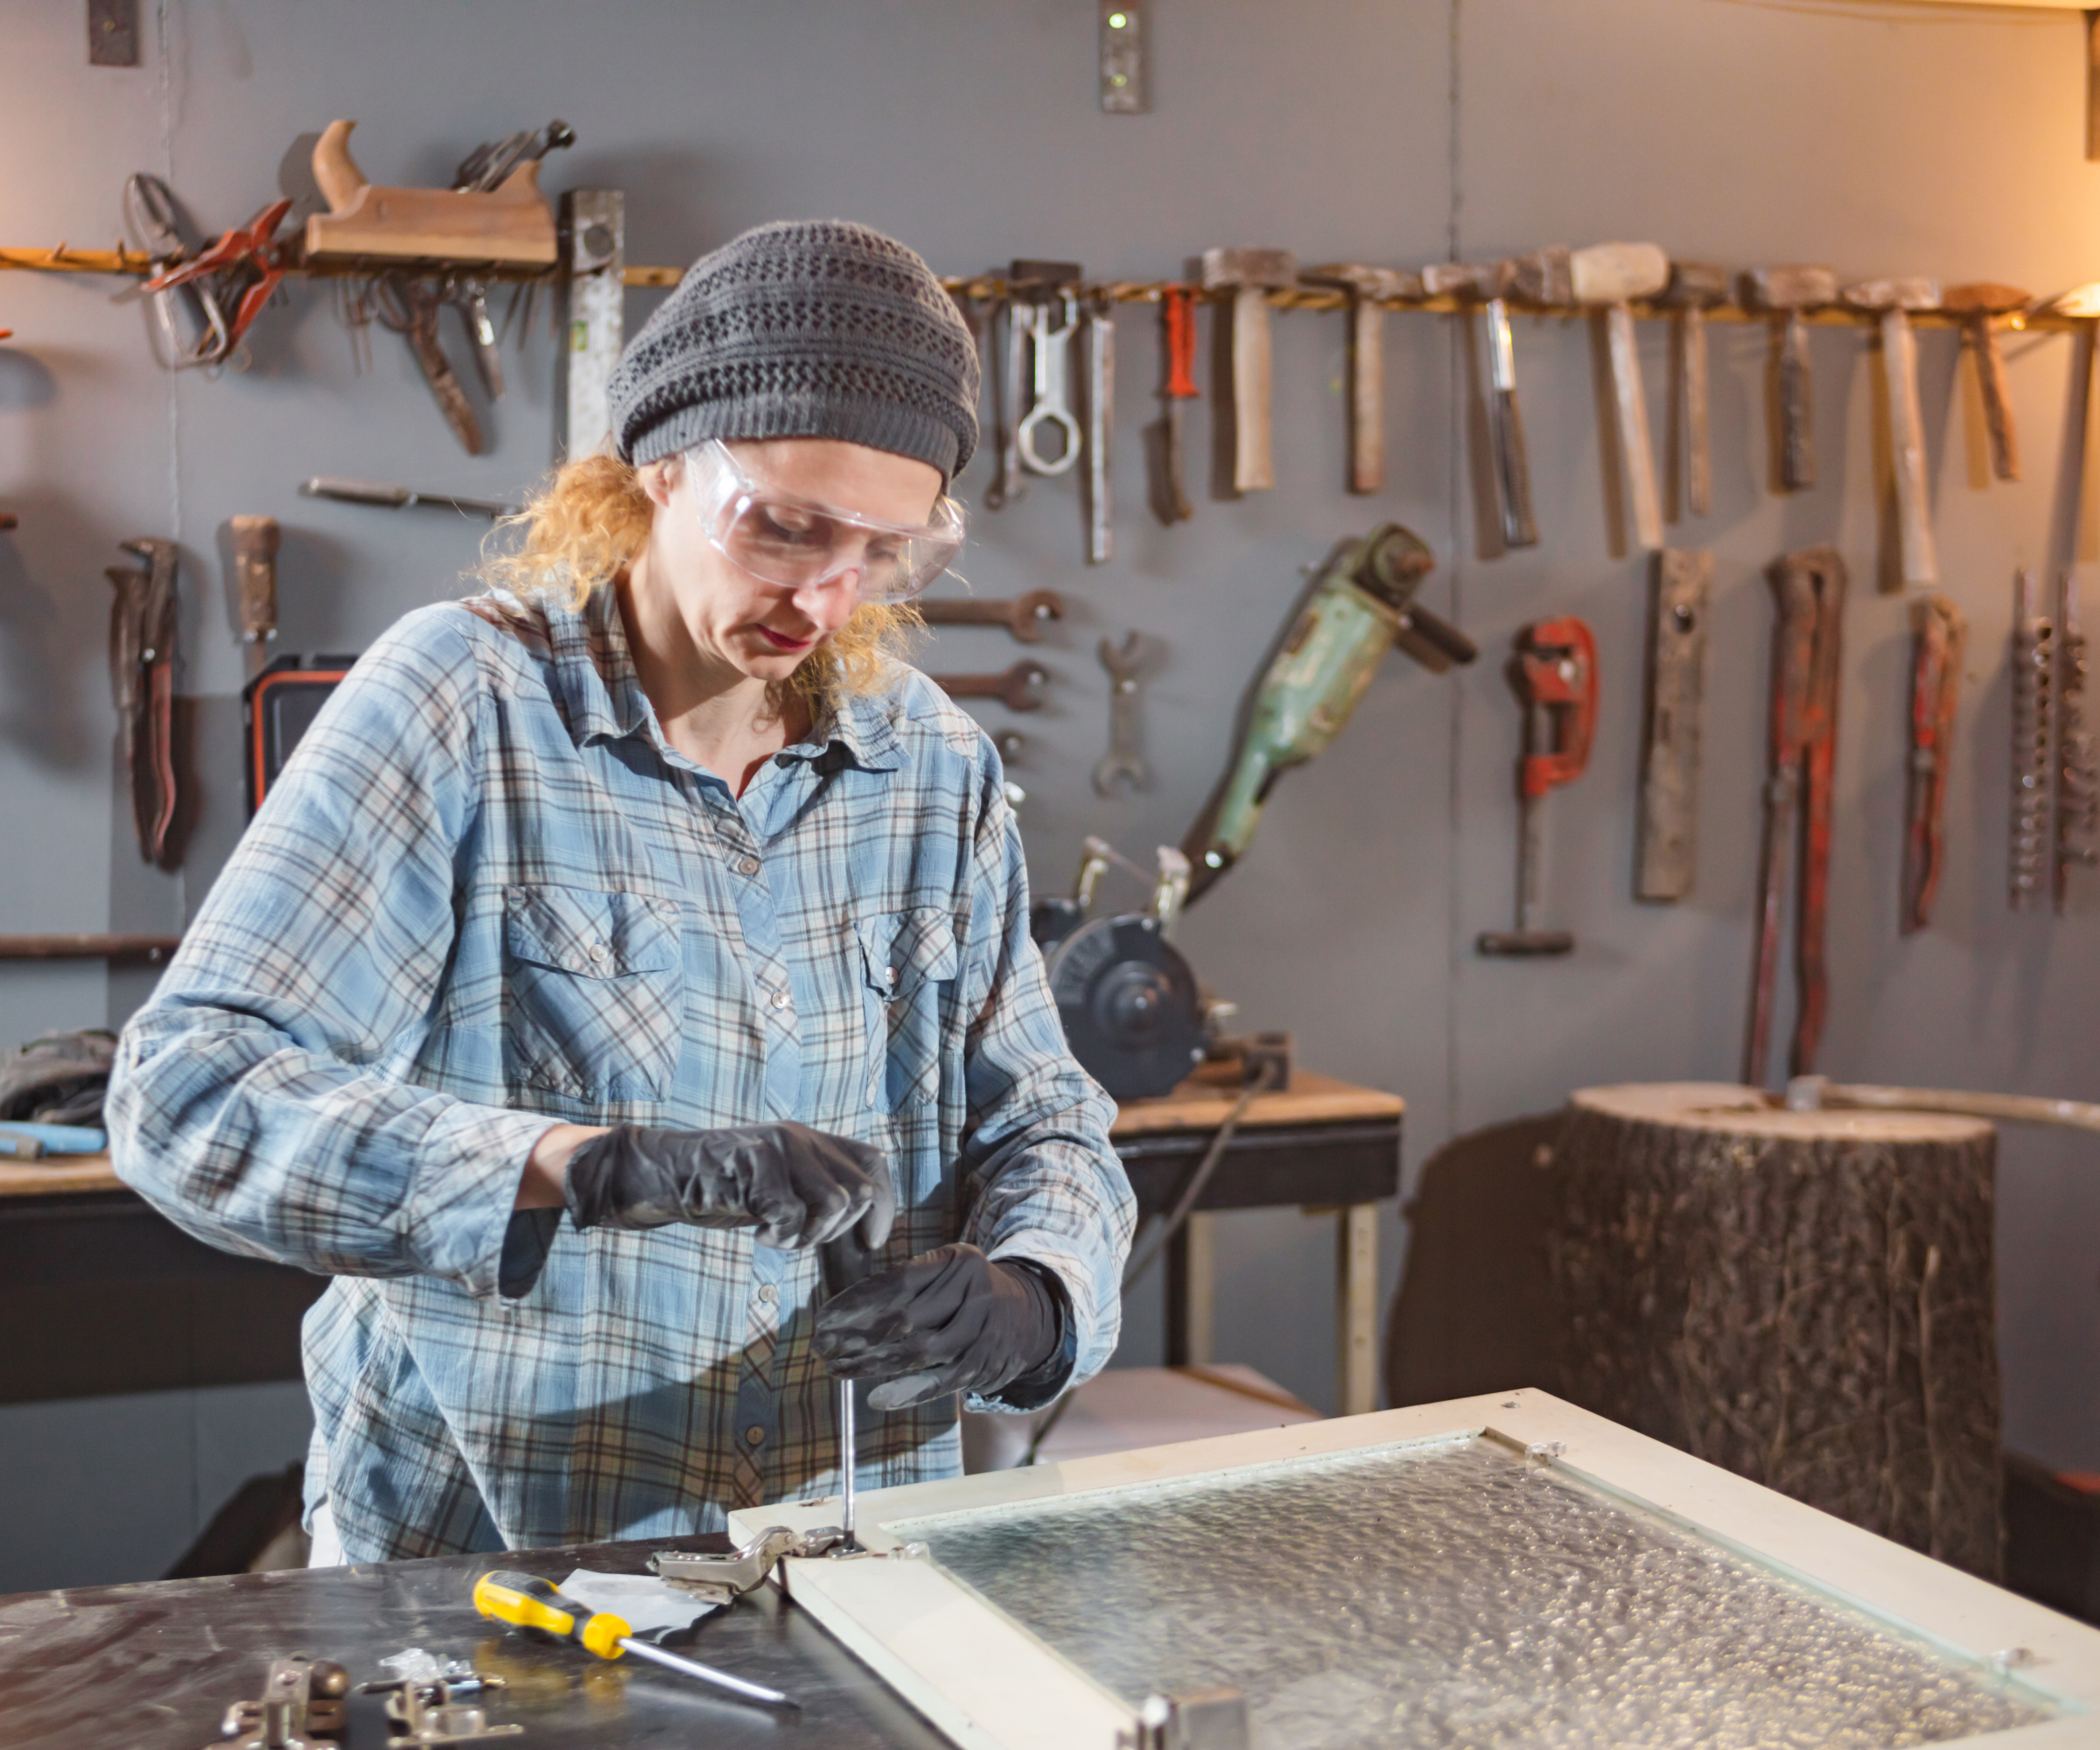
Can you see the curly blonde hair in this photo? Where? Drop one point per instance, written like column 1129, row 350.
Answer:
column 586, row 525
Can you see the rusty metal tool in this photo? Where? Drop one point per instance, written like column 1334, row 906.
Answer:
column 249, row 255
column 1019, row 687
column 1250, row 274
column 1806, row 657
column 255, row 542
column 1667, row 854
column 1790, row 293
column 2077, row 759
column 199, row 336
column 385, row 497
column 409, row 307
column 1100, row 430
column 1894, row 300
column 1941, row 636
column 1608, row 277
column 1177, row 359
column 1022, row 615
column 1980, row 305
column 2034, row 716
column 1370, row 289
column 141, row 675
column 1555, row 675
column 1695, row 288
column 1124, row 763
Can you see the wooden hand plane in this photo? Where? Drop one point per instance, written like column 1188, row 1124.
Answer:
column 511, row 223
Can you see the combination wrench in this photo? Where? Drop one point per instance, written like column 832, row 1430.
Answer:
column 1051, row 345
column 1019, row 687
column 1123, row 762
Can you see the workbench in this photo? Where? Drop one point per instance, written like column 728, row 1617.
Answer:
column 133, row 1304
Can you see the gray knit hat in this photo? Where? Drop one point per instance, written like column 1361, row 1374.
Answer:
column 805, row 329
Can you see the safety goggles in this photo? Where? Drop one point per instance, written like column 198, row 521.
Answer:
column 795, row 545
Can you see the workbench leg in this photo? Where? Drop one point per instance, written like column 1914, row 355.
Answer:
column 1356, row 1308
column 1192, row 1294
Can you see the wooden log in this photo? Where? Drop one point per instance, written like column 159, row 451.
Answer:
column 1806, row 1298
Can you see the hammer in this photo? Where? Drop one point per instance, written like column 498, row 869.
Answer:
column 1695, row 288
column 1792, row 291
column 1894, row 300
column 1489, row 285
column 1368, row 288
column 1609, row 275
column 255, row 542
column 1250, row 274
column 1976, row 304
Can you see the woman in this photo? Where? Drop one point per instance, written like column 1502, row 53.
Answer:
column 648, row 889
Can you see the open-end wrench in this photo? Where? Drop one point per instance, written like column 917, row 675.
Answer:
column 1019, row 689
column 1052, row 374
column 1022, row 615
column 1122, row 761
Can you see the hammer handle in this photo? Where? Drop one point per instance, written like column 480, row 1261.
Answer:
column 1997, row 397
column 1906, row 448
column 1366, row 395
column 1796, row 407
column 1253, row 468
column 1634, row 442
column 1698, row 452
column 255, row 542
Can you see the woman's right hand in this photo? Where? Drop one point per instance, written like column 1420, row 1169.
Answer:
column 797, row 1187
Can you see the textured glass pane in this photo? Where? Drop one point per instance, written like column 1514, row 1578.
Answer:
column 1454, row 1595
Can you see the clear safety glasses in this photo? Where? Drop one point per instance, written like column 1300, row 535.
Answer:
column 795, row 545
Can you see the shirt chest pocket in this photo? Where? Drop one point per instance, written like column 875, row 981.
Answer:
column 907, row 959
column 593, row 993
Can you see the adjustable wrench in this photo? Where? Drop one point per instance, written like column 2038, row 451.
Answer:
column 1123, row 762
column 1023, row 615
column 1052, row 373
column 1019, row 689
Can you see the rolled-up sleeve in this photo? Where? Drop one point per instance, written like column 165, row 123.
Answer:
column 260, row 1100
column 1049, row 1186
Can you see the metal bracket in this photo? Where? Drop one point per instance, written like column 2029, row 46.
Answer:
column 112, row 32
column 721, row 1579
column 1203, row 1720
column 421, row 1711
column 1123, row 90
column 300, row 1696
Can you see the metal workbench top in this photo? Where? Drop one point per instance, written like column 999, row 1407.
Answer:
column 95, row 1668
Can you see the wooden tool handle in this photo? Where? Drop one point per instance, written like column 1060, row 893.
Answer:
column 1634, row 442
column 1366, row 395
column 1796, row 407
column 1907, row 447
column 1698, row 457
column 1997, row 397
column 1253, row 468
column 255, row 542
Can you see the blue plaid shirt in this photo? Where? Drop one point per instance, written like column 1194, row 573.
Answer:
column 486, row 896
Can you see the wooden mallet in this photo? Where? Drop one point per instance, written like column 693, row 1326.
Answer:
column 1250, row 274
column 1894, row 300
column 1369, row 288
column 1695, row 288
column 1792, row 292
column 1977, row 305
column 1608, row 276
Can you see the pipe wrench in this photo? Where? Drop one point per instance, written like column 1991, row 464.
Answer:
column 1807, row 655
column 1936, row 680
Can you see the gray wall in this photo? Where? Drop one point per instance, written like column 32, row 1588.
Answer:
column 1884, row 139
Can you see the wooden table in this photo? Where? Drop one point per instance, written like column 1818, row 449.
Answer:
column 1319, row 1144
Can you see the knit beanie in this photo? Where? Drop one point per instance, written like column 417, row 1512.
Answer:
column 813, row 328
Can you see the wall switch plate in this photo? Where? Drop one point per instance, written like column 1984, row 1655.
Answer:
column 113, row 32
column 1122, row 82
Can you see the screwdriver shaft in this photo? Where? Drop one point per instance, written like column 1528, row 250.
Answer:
column 707, row 1674
column 847, row 1459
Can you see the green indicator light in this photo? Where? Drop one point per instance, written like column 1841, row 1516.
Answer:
column 1117, row 20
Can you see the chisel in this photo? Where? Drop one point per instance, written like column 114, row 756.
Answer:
column 399, row 498
column 255, row 542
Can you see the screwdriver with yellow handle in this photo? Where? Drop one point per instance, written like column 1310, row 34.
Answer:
column 541, row 1609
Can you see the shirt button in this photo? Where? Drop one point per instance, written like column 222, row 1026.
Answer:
column 600, row 953
column 755, row 1434
column 748, row 866
column 779, row 999
column 768, row 1293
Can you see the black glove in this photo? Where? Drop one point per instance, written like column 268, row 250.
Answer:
column 948, row 1321
column 796, row 1186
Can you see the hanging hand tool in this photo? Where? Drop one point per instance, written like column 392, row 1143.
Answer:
column 1250, row 274
column 543, row 1611
column 1019, row 689
column 510, row 223
column 1100, row 430
column 142, row 674
column 255, row 542
column 1667, row 857
column 1791, row 292
column 1489, row 285
column 1008, row 393
column 1980, row 305
column 409, row 307
column 2034, row 718
column 1031, row 288
column 1894, row 300
column 1023, row 616
column 1608, row 277
column 249, row 257
column 399, row 498
column 201, row 337
column 1807, row 665
column 487, row 166
column 2077, row 763
column 1123, row 763
column 1942, row 634
column 1050, row 343
column 470, row 298
column 1359, row 604
column 1177, row 359
column 1370, row 289
column 1695, row 288
column 1555, row 673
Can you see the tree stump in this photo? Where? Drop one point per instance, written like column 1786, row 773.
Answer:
column 1806, row 1298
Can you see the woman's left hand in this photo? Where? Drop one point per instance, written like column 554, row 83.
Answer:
column 949, row 1320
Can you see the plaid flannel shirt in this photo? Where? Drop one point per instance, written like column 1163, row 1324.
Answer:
column 486, row 896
